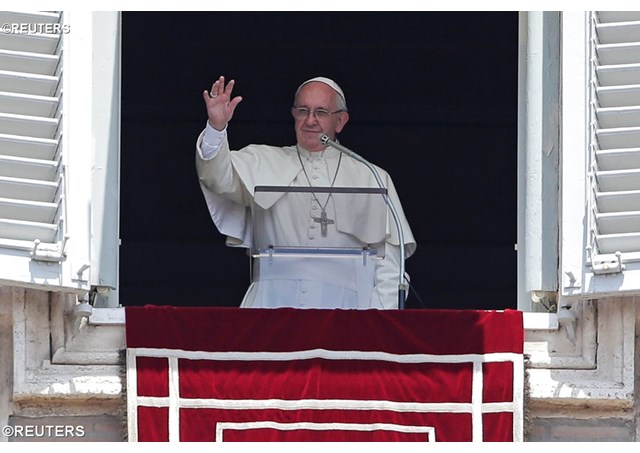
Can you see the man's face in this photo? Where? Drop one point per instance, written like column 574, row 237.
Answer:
column 317, row 95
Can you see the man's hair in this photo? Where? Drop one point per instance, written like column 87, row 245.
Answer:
column 342, row 104
column 340, row 100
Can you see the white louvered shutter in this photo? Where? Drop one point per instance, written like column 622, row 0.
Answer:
column 30, row 176
column 613, row 218
column 34, row 208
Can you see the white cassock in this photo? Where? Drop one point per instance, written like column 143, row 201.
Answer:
column 228, row 179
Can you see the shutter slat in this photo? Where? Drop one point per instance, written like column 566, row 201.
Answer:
column 625, row 243
column 23, row 82
column 618, row 54
column 27, row 104
column 614, row 75
column 28, row 126
column 619, row 159
column 619, row 32
column 32, row 211
column 20, row 167
column 29, row 17
column 618, row 201
column 29, row 147
column 618, row 16
column 28, row 62
column 618, row 180
column 619, row 222
column 619, row 96
column 27, row 231
column 27, row 189
column 616, row 138
column 618, row 117
column 30, row 42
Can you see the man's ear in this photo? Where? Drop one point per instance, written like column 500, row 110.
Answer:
column 343, row 119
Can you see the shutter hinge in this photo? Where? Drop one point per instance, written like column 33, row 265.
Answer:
column 49, row 252
column 607, row 263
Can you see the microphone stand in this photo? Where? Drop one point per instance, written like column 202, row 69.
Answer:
column 402, row 286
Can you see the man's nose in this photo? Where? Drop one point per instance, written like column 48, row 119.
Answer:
column 311, row 119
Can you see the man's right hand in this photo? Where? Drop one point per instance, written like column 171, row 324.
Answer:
column 220, row 106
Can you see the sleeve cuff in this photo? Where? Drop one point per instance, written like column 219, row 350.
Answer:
column 211, row 141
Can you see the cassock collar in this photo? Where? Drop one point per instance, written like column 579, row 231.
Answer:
column 327, row 153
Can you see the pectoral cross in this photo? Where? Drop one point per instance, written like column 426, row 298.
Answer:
column 323, row 220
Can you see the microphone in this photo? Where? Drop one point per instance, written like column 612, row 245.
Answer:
column 402, row 286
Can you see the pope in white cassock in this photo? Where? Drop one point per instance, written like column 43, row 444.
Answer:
column 316, row 220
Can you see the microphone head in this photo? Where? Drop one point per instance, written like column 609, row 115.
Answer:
column 324, row 139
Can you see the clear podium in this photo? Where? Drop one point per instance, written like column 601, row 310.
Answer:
column 316, row 246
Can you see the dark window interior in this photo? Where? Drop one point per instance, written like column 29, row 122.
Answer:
column 432, row 98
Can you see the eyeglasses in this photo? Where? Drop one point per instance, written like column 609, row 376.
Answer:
column 302, row 113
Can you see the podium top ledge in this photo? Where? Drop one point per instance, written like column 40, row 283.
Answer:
column 303, row 189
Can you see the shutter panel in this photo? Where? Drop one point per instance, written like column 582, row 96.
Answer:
column 600, row 155
column 615, row 141
column 31, row 180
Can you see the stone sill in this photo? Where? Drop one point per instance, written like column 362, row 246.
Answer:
column 116, row 316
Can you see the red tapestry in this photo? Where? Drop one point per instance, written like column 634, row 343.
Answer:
column 227, row 374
